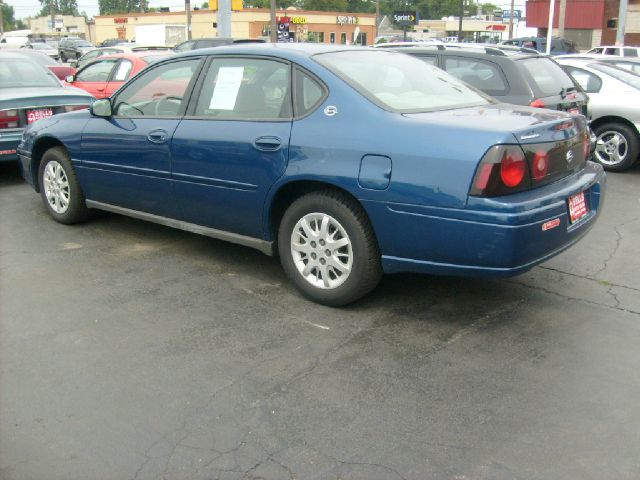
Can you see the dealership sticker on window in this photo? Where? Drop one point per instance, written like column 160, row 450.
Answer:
column 225, row 92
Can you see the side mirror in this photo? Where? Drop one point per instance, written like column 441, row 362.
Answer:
column 69, row 79
column 101, row 108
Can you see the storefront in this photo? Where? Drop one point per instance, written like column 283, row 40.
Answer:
column 303, row 26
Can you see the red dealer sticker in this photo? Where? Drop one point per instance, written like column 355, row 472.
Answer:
column 34, row 115
column 577, row 207
column 550, row 224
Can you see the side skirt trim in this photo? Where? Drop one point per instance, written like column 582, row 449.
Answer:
column 262, row 245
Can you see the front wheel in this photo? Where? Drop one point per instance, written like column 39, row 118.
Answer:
column 60, row 189
column 617, row 146
column 328, row 249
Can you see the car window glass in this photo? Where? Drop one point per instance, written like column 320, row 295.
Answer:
column 309, row 93
column 245, row 89
column 618, row 73
column 123, row 70
column 92, row 55
column 611, row 51
column 184, row 46
column 428, row 59
column 483, row 75
column 547, row 77
column 25, row 73
column 630, row 52
column 160, row 92
column 96, row 72
column 589, row 82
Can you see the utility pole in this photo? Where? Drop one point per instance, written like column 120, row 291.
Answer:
column 224, row 18
column 561, row 14
column 274, row 26
column 51, row 14
column 1, row 19
column 187, row 8
column 377, row 16
column 511, row 20
column 460, row 21
column 141, row 6
column 622, row 21
column 552, row 8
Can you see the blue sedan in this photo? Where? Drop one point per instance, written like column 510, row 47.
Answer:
column 347, row 162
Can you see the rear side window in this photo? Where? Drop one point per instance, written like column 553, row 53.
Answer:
column 428, row 59
column 485, row 76
column 630, row 52
column 309, row 93
column 611, row 51
column 96, row 72
column 546, row 76
column 122, row 73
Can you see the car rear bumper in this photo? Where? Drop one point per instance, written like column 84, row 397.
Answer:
column 9, row 144
column 502, row 236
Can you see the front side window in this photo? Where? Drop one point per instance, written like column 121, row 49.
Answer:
column 399, row 82
column 478, row 73
column 160, row 92
column 96, row 72
column 245, row 89
column 611, row 51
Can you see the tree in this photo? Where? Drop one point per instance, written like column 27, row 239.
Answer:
column 489, row 8
column 205, row 6
column 59, row 7
column 325, row 5
column 108, row 7
column 9, row 22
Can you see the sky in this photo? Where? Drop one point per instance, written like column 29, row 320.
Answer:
column 26, row 8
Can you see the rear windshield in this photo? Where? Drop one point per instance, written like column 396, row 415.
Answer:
column 548, row 77
column 399, row 82
column 82, row 43
column 24, row 73
column 618, row 73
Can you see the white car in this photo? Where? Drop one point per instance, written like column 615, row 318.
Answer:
column 614, row 108
column 618, row 51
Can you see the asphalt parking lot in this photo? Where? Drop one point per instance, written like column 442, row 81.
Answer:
column 132, row 351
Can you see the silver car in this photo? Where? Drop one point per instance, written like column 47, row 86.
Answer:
column 614, row 108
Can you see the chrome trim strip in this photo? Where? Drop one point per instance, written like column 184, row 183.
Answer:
column 262, row 245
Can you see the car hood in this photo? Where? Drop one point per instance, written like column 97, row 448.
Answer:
column 527, row 124
column 26, row 97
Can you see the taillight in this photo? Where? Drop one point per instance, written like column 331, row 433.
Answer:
column 537, row 103
column 9, row 119
column 540, row 165
column 502, row 170
column 72, row 108
column 586, row 144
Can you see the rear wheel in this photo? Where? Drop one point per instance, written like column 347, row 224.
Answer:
column 617, row 146
column 60, row 189
column 328, row 249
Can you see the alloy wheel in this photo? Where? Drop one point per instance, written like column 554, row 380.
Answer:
column 56, row 187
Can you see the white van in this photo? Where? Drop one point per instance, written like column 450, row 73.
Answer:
column 15, row 39
column 616, row 51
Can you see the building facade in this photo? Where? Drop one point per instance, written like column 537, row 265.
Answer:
column 589, row 23
column 305, row 26
column 63, row 26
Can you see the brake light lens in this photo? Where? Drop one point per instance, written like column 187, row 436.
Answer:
column 540, row 164
column 72, row 108
column 586, row 144
column 502, row 170
column 9, row 119
column 537, row 103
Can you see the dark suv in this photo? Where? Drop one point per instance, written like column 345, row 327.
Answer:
column 73, row 48
column 559, row 46
column 510, row 74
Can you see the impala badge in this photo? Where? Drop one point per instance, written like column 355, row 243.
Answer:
column 569, row 156
column 330, row 110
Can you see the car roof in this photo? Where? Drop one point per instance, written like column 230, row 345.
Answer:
column 283, row 50
column 474, row 49
column 146, row 53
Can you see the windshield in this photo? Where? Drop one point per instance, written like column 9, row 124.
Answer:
column 623, row 75
column 23, row 73
column 41, row 46
column 83, row 43
column 548, row 77
column 399, row 82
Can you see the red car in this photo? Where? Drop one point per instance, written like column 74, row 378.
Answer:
column 102, row 77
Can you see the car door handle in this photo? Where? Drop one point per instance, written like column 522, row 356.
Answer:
column 267, row 144
column 158, row 136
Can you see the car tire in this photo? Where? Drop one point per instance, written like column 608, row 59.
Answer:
column 59, row 187
column 617, row 146
column 328, row 235
column 63, row 59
